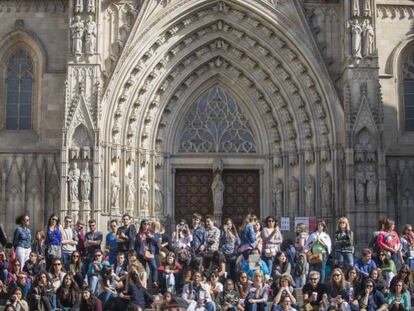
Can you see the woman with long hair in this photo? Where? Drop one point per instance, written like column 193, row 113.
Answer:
column 354, row 281
column 54, row 234
column 89, row 302
column 146, row 248
column 56, row 277
column 40, row 297
column 319, row 244
column 22, row 238
column 399, row 298
column 281, row 266
column 406, row 275
column 344, row 244
column 168, row 274
column 387, row 266
column 376, row 276
column 39, row 245
column 258, row 227
column 258, row 294
column 302, row 266
column 388, row 241
column 229, row 243
column 271, row 239
column 17, row 300
column 68, row 295
column 75, row 267
column 248, row 235
column 338, row 285
column 407, row 242
column 284, row 288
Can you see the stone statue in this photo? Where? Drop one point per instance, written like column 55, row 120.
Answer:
column 326, row 193
column 355, row 8
column 77, row 28
column 86, row 181
column 293, row 195
column 144, row 190
column 309, row 194
column 356, row 31
column 158, row 197
column 368, row 35
column 367, row 8
column 360, row 182
column 73, row 179
column 78, row 6
column 372, row 185
column 115, row 187
column 217, row 188
column 217, row 165
column 131, row 190
column 278, row 195
column 91, row 6
column 90, row 36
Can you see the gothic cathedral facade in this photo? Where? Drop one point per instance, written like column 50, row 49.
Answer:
column 163, row 108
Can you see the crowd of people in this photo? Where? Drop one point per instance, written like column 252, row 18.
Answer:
column 203, row 267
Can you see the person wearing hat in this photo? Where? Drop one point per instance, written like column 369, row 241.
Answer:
column 199, row 243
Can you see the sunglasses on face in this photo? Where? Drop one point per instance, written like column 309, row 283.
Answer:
column 57, row 264
column 55, row 219
column 369, row 285
column 336, row 274
column 68, row 221
column 313, row 279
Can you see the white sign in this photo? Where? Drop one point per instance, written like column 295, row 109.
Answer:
column 285, row 223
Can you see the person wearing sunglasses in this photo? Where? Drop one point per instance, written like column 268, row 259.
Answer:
column 94, row 270
column 407, row 243
column 111, row 244
column 313, row 292
column 93, row 240
column 54, row 233
column 372, row 299
column 69, row 241
column 272, row 239
column 22, row 238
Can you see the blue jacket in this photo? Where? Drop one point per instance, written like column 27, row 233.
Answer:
column 248, row 236
column 263, row 267
column 365, row 268
column 22, row 237
column 199, row 238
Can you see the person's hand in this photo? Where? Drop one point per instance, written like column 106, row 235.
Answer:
column 201, row 248
column 122, row 295
column 251, row 300
column 37, row 297
column 167, row 270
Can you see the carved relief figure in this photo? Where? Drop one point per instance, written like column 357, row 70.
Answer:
column 372, row 185
column 78, row 6
column 355, row 8
column 77, row 28
column 278, row 195
column 158, row 197
column 115, row 187
column 144, row 189
column 73, row 180
column 91, row 6
column 368, row 38
column 367, row 7
column 90, row 36
column 326, row 192
column 217, row 188
column 356, row 31
column 293, row 194
column 86, row 182
column 131, row 190
column 309, row 194
column 360, row 182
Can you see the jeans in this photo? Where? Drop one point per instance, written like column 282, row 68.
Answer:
column 262, row 306
column 231, row 264
column 344, row 259
column 209, row 306
column 93, row 281
column 22, row 254
column 269, row 262
column 66, row 260
column 320, row 267
column 300, row 281
column 152, row 266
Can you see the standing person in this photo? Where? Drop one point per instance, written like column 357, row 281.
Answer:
column 407, row 242
column 389, row 241
column 229, row 242
column 22, row 239
column 126, row 234
column 145, row 246
column 344, row 244
column 319, row 243
column 54, row 233
column 111, row 244
column 248, row 235
column 302, row 266
column 69, row 241
column 93, row 240
column 199, row 243
column 271, row 239
column 212, row 238
column 39, row 246
column 80, row 247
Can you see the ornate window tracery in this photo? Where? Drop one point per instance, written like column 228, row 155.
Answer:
column 408, row 80
column 19, row 83
column 216, row 124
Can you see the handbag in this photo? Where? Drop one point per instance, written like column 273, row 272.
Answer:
column 269, row 252
column 148, row 255
column 54, row 251
column 314, row 258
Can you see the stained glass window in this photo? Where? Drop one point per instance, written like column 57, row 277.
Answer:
column 216, row 124
column 19, row 92
column 408, row 76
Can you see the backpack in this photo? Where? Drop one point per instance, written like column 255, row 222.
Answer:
column 300, row 268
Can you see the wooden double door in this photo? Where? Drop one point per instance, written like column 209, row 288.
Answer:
column 193, row 193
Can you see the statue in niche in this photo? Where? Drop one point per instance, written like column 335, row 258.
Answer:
column 73, row 179
column 407, row 199
column 367, row 8
column 158, row 197
column 144, row 189
column 355, row 8
column 91, row 6
column 78, row 6
column 356, row 31
column 217, row 188
column 115, row 187
column 78, row 29
column 217, row 166
column 131, row 190
column 368, row 35
column 326, row 192
column 372, row 185
column 86, row 181
column 309, row 194
column 360, row 182
column 278, row 195
column 90, row 36
column 293, row 194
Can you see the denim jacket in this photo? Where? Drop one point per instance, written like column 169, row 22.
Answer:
column 22, row 237
column 199, row 238
column 248, row 236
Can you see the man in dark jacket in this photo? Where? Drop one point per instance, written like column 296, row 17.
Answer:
column 198, row 245
column 126, row 235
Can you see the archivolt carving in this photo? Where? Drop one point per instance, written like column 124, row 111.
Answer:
column 395, row 11
column 51, row 6
column 259, row 41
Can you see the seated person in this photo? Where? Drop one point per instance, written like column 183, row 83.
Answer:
column 284, row 288
column 399, row 298
column 313, row 292
column 197, row 294
column 372, row 299
column 366, row 264
column 258, row 294
column 230, row 298
column 258, row 265
column 168, row 275
column 285, row 305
